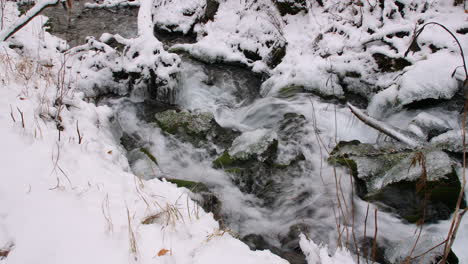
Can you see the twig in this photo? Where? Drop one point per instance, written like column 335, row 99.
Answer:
column 450, row 32
column 384, row 128
column 131, row 237
column 11, row 114
column 22, row 117
column 80, row 138
column 374, row 243
column 365, row 230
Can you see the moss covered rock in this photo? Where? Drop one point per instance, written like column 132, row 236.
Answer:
column 261, row 161
column 395, row 179
column 196, row 128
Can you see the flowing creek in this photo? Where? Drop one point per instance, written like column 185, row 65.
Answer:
column 267, row 203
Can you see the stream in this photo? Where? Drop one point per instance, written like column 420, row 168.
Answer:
column 266, row 204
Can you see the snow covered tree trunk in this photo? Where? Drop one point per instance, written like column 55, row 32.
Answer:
column 24, row 19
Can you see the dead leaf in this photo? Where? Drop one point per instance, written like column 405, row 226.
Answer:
column 109, row 152
column 163, row 252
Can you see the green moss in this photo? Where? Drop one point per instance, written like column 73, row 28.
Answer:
column 224, row 160
column 195, row 187
column 149, row 155
column 349, row 163
column 195, row 125
column 412, row 218
column 234, row 170
column 280, row 166
column 290, row 91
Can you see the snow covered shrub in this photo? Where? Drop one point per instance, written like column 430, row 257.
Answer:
column 138, row 66
column 231, row 37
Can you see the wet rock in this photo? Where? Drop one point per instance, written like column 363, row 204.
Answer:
column 260, row 160
column 207, row 200
column 130, row 142
column 365, row 250
column 397, row 251
column 388, row 64
column 195, row 187
column 393, row 178
column 211, row 9
column 258, row 242
column 450, row 141
column 291, row 7
column 143, row 163
column 196, row 128
column 74, row 25
column 291, row 240
column 277, row 53
column 290, row 91
column 427, row 126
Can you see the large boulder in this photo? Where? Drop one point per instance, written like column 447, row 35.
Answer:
column 260, row 160
column 198, row 128
column 409, row 183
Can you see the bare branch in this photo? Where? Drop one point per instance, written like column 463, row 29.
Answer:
column 384, row 128
column 26, row 18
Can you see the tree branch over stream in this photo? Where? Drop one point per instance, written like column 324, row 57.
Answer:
column 26, row 18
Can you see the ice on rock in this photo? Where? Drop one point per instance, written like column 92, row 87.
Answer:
column 451, row 141
column 438, row 164
column 252, row 143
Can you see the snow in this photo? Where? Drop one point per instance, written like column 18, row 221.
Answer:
column 319, row 254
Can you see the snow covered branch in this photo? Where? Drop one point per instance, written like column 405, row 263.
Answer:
column 384, row 128
column 24, row 20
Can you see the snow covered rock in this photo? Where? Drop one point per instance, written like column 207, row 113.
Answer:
column 260, row 160
column 431, row 78
column 198, row 128
column 232, row 38
column 450, row 141
column 178, row 15
column 428, row 126
column 385, row 174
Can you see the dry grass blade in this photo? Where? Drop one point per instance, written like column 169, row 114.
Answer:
column 5, row 251
column 131, row 237
column 106, row 212
column 12, row 115
column 365, row 232
column 80, row 137
column 22, row 117
column 374, row 242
